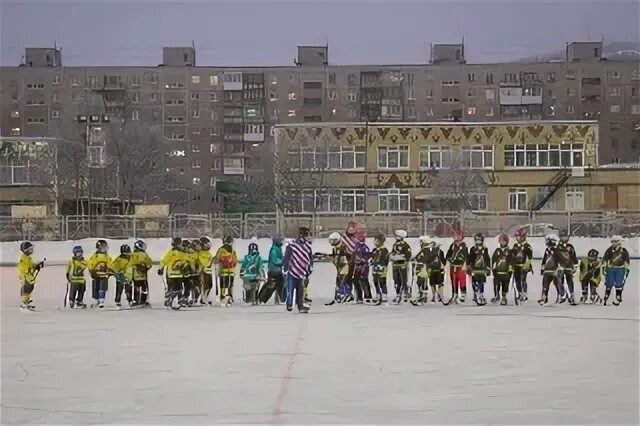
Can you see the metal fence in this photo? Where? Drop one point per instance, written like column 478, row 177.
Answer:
column 441, row 224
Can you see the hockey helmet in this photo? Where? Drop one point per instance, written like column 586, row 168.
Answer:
column 378, row 240
column 77, row 251
column 125, row 249
column 593, row 254
column 564, row 235
column 458, row 237
column 139, row 245
column 400, row 234
column 196, row 245
column 253, row 249
column 227, row 240
column 176, row 242
column 361, row 235
column 334, row 238
column 616, row 240
column 552, row 239
column 304, row 233
column 479, row 239
column 503, row 239
column 521, row 234
column 424, row 240
column 26, row 247
column 102, row 246
column 206, row 242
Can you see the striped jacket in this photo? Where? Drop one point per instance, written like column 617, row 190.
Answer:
column 298, row 259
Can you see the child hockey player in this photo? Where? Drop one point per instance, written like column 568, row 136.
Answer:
column 251, row 273
column 75, row 277
column 275, row 279
column 549, row 268
column 122, row 268
column 478, row 268
column 98, row 265
column 430, row 262
column 567, row 262
column 590, row 277
column 519, row 259
column 195, row 272
column 379, row 264
column 501, row 266
column 340, row 258
column 522, row 270
column 297, row 265
column 141, row 263
column 400, row 257
column 362, row 254
column 227, row 259
column 205, row 258
column 457, row 256
column 616, row 267
column 175, row 262
column 27, row 272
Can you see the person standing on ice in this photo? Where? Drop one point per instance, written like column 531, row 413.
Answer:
column 75, row 277
column 227, row 259
column 339, row 258
column 590, row 277
column 122, row 268
column 379, row 265
column 616, row 269
column 27, row 272
column 141, row 263
column 362, row 255
column 98, row 265
column 522, row 270
column 251, row 273
column 478, row 268
column 400, row 257
column 568, row 263
column 297, row 266
column 205, row 258
column 274, row 270
column 176, row 264
column 549, row 268
column 501, row 267
column 457, row 258
column 349, row 241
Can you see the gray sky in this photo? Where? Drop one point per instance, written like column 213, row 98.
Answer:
column 263, row 32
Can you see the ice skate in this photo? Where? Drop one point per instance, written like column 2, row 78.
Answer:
column 303, row 310
column 71, row 305
column 348, row 298
column 81, row 305
column 289, row 308
column 118, row 305
column 95, row 303
column 462, row 298
column 503, row 301
column 101, row 303
column 483, row 300
column 227, row 301
column 359, row 302
column 543, row 301
column 495, row 299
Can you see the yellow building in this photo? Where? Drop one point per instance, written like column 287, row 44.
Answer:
column 409, row 167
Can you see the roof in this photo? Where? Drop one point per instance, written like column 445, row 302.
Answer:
column 438, row 123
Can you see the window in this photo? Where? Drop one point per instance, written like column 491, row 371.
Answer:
column 471, row 77
column 393, row 157
column 544, row 155
column 613, row 75
column 154, row 97
column 471, row 92
column 213, row 97
column 135, row 115
column 135, row 80
column 74, row 81
column 393, row 200
column 333, row 95
column 429, row 112
column 15, row 131
column 195, row 164
column 551, row 76
column 213, row 181
column 55, row 114
column 195, row 96
column 292, row 96
column 571, row 91
column 332, row 79
column 195, row 131
column 614, row 91
column 570, row 75
column 351, row 79
column 196, row 181
column 213, row 80
column 273, row 95
column 450, row 83
column 489, row 78
column 571, row 109
column 56, row 79
column 517, row 199
column 471, row 111
column 195, row 79
column 429, row 94
column 177, row 136
column 214, row 115
column 292, row 113
column 293, row 77
column 476, row 201
column 214, row 148
column 450, row 100
column 135, row 97
column 216, row 164
column 635, row 109
column 614, row 108
column 195, row 147
column 428, row 75
column 213, row 131
column 634, row 92
column 490, row 94
column 615, row 125
column 408, row 77
column 478, row 157
column 232, row 77
column 435, row 157
column 346, row 158
column 254, row 128
column 337, row 200
column 411, row 111
column 195, row 113
column 574, row 198
column 411, row 95
column 635, row 75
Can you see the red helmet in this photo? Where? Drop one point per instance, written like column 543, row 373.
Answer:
column 361, row 235
column 503, row 238
column 521, row 233
column 352, row 227
column 458, row 236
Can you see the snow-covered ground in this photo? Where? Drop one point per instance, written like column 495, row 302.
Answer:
column 337, row 365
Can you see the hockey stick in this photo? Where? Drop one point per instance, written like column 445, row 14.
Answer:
column 66, row 294
column 516, row 293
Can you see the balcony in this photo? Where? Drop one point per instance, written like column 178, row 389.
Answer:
column 232, row 81
column 519, row 96
column 591, row 81
column 233, row 166
column 592, row 98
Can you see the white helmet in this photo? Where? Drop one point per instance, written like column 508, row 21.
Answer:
column 334, row 238
column 400, row 234
column 424, row 240
column 616, row 240
column 552, row 237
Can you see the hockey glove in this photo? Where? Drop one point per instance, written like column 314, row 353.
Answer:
column 160, row 271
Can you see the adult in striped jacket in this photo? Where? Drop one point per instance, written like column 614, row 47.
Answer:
column 297, row 265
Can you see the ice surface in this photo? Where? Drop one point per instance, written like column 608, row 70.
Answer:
column 345, row 364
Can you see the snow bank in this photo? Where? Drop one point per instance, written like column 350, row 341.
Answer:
column 59, row 252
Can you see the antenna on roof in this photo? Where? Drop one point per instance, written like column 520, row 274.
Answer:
column 54, row 45
column 193, row 44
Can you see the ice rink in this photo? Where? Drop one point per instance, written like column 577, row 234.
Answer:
column 343, row 365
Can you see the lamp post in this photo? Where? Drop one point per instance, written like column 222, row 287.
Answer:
column 92, row 122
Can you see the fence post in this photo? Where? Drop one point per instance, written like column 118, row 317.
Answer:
column 569, row 222
column 135, row 223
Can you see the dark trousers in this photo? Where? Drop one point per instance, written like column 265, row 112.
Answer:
column 566, row 275
column 501, row 283
column 140, row 291
column 547, row 280
column 400, row 281
column 478, row 281
column 520, row 278
column 380, row 284
column 174, row 288
column 294, row 285
column 76, row 292
column 99, row 287
column 121, row 285
column 278, row 279
column 226, row 286
column 362, row 287
column 207, row 285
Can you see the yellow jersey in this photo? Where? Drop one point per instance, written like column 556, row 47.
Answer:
column 176, row 263
column 141, row 263
column 205, row 258
column 122, row 268
column 26, row 270
column 98, row 264
column 75, row 270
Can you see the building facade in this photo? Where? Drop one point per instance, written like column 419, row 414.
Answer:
column 219, row 120
column 416, row 167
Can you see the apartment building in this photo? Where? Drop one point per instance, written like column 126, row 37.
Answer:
column 218, row 120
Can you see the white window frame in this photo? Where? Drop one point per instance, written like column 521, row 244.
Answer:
column 291, row 113
column 484, row 150
column 135, row 115
column 55, row 114
column 614, row 108
column 471, row 111
column 574, row 198
column 352, row 95
column 480, row 198
column 398, row 195
column 292, row 96
column 196, row 164
column 332, row 95
column 435, row 155
column 332, row 201
column 303, row 152
column 393, row 150
column 195, row 181
column 195, row 113
column 213, row 80
column 195, row 79
column 522, row 154
column 216, row 163
column 355, row 152
column 635, row 109
column 518, row 196
column 615, row 91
